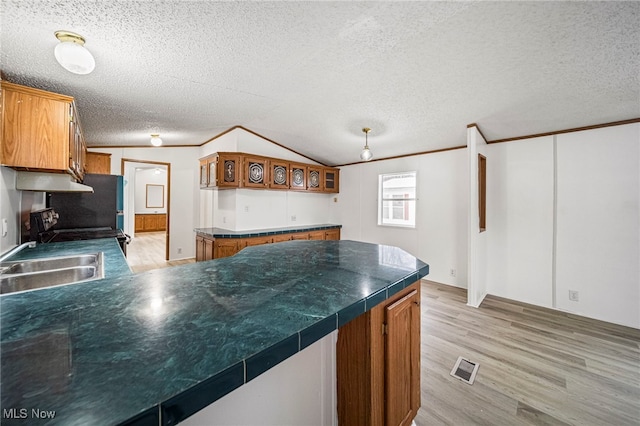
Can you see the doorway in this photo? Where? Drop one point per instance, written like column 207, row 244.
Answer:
column 147, row 192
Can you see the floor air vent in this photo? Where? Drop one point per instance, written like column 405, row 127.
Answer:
column 465, row 370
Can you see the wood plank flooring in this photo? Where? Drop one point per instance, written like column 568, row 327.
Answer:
column 537, row 366
column 147, row 251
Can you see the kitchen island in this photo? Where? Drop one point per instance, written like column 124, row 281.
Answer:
column 159, row 346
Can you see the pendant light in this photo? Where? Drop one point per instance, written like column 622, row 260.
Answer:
column 71, row 53
column 155, row 139
column 366, row 154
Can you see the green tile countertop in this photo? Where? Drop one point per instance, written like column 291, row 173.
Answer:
column 155, row 347
column 227, row 233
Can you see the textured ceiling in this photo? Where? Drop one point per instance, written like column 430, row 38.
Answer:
column 310, row 75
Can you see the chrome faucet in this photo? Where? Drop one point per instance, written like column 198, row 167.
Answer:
column 9, row 253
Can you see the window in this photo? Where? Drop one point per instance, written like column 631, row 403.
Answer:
column 397, row 195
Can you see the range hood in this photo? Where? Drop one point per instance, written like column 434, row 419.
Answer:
column 49, row 182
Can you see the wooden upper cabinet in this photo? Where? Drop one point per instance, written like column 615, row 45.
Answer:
column 298, row 177
column 204, row 173
column 331, row 179
column 208, row 177
column 314, row 178
column 41, row 131
column 278, row 174
column 256, row 172
column 240, row 170
column 228, row 172
column 98, row 163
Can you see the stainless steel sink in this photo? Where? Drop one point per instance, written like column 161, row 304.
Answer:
column 48, row 272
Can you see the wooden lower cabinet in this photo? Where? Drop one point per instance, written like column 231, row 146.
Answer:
column 208, row 248
column 332, row 234
column 255, row 241
column 316, row 235
column 378, row 363
column 224, row 248
column 150, row 222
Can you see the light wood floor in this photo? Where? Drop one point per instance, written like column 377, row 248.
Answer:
column 147, row 251
column 537, row 366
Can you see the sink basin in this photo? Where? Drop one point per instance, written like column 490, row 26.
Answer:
column 38, row 265
column 40, row 273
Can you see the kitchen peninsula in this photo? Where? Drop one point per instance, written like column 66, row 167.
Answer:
column 156, row 347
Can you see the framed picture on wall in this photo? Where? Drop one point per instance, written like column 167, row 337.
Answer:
column 155, row 196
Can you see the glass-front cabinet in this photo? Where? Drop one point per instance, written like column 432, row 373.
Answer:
column 228, row 172
column 240, row 170
column 256, row 172
column 278, row 174
column 298, row 177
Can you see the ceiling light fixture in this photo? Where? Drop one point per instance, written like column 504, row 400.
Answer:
column 155, row 139
column 366, row 154
column 71, row 53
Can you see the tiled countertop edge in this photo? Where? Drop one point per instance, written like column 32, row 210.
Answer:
column 189, row 402
column 262, row 233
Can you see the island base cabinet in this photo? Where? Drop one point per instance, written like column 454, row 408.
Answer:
column 378, row 363
column 208, row 248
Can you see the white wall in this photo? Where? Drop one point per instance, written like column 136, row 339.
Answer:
column 246, row 209
column 149, row 177
column 299, row 391
column 564, row 214
column 9, row 209
column 184, row 192
column 520, row 205
column 440, row 236
column 478, row 241
column 598, row 179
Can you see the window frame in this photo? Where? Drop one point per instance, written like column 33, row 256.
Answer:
column 407, row 201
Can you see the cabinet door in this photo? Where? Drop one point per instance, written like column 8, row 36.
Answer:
column 204, row 176
column 281, row 237
column 331, row 180
column 224, row 247
column 402, row 360
column 228, row 171
column 139, row 223
column 300, row 236
column 212, row 176
column 255, row 241
column 314, row 178
column 378, row 363
column 77, row 146
column 199, row 248
column 316, row 235
column 98, row 163
column 332, row 234
column 298, row 180
column 35, row 131
column 256, row 172
column 279, row 174
column 208, row 249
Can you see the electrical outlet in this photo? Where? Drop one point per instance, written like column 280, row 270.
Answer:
column 452, row 272
column 574, row 296
column 293, row 218
column 224, row 219
column 246, row 209
column 179, row 250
